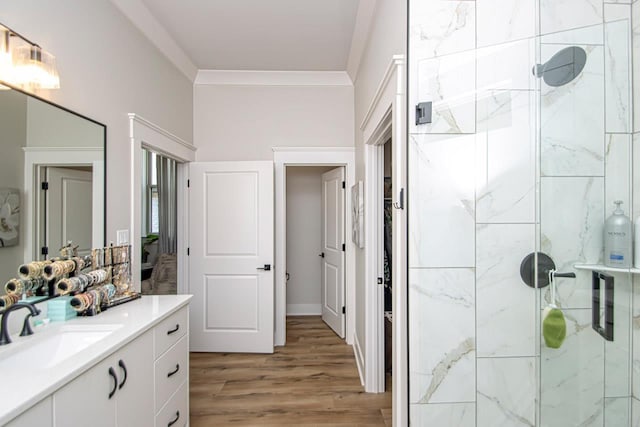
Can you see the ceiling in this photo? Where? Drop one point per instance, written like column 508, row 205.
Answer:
column 271, row 35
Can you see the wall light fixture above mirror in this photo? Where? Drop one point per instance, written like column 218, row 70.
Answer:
column 24, row 63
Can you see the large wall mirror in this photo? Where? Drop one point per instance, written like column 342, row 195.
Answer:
column 52, row 181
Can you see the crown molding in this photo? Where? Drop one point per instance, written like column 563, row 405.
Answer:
column 273, row 78
column 143, row 19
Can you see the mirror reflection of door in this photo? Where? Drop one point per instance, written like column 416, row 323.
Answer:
column 159, row 225
column 67, row 208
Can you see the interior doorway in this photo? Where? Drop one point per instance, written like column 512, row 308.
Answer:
column 386, row 229
column 65, row 208
column 285, row 157
column 159, row 261
column 315, row 243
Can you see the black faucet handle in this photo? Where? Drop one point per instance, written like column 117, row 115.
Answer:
column 26, row 326
column 569, row 275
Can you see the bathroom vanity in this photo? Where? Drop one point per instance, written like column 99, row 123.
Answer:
column 128, row 366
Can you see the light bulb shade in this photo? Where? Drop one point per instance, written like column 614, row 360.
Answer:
column 33, row 66
column 6, row 62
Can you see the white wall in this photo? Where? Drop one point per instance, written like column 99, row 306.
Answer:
column 304, row 239
column 107, row 69
column 236, row 122
column 387, row 38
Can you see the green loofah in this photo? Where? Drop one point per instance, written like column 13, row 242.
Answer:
column 554, row 328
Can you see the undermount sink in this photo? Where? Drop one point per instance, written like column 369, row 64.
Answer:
column 48, row 352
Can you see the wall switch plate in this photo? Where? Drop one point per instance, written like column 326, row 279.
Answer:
column 122, row 237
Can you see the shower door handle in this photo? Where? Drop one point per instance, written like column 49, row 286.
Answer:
column 607, row 330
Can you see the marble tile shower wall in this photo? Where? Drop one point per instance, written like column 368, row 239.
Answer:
column 635, row 21
column 496, row 136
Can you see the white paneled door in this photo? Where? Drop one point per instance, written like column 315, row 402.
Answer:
column 68, row 209
column 231, row 256
column 333, row 250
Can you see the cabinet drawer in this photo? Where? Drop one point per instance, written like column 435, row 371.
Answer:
column 176, row 410
column 170, row 330
column 171, row 370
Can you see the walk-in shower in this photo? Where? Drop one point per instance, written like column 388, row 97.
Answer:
column 530, row 142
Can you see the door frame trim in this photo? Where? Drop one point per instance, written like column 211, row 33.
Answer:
column 310, row 156
column 145, row 134
column 37, row 157
column 386, row 118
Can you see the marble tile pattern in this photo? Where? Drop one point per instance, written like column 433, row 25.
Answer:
column 617, row 70
column 473, row 213
column 443, row 414
column 442, row 37
column 442, row 213
column 505, row 306
column 442, row 27
column 617, row 381
column 571, row 221
column 635, row 324
column 617, row 411
column 506, row 157
column 442, row 335
column 618, row 172
column 562, row 15
column 571, row 117
column 635, row 412
column 635, row 141
column 515, row 59
column 635, row 41
column 571, row 376
column 449, row 83
column 511, row 20
column 506, row 392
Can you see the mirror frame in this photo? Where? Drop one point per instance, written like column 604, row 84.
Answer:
column 104, row 153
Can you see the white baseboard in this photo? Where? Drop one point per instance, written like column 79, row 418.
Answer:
column 304, row 309
column 357, row 351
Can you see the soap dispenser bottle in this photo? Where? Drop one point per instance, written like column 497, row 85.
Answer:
column 617, row 239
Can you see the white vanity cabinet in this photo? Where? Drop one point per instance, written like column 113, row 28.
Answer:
column 116, row 392
column 172, row 370
column 38, row 415
column 135, row 375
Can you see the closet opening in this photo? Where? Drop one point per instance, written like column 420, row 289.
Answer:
column 387, row 255
column 315, row 239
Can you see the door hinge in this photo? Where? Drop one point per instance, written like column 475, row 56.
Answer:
column 344, row 247
column 188, row 251
column 45, row 186
column 44, row 250
column 188, row 183
column 344, row 184
column 344, row 310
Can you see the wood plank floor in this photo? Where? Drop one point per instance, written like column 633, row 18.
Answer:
column 311, row 381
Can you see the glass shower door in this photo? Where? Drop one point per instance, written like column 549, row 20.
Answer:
column 584, row 164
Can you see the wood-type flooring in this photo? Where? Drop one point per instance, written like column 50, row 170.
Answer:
column 312, row 381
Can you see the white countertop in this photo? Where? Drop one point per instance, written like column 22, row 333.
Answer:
column 23, row 386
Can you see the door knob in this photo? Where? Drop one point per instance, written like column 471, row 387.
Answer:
column 321, row 255
column 267, row 267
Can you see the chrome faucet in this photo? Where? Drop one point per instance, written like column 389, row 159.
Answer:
column 26, row 327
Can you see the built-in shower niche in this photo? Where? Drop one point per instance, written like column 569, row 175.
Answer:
column 584, row 148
